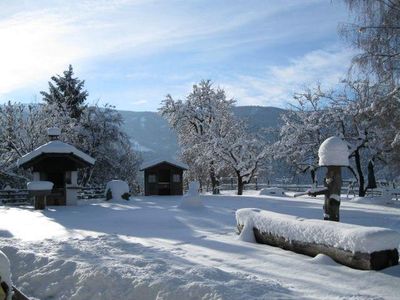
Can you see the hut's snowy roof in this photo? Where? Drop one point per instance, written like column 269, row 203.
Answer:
column 155, row 162
column 333, row 152
column 55, row 147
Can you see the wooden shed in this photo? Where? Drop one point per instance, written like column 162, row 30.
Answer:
column 163, row 177
column 57, row 162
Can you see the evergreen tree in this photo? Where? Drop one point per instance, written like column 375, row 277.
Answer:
column 67, row 93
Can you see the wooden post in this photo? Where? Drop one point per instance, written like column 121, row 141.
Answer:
column 333, row 182
column 40, row 202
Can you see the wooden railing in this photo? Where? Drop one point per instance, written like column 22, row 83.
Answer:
column 15, row 197
column 349, row 188
column 87, row 193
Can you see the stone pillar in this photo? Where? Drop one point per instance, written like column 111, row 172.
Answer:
column 71, row 190
column 36, row 176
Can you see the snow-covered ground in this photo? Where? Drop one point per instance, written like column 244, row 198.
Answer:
column 149, row 248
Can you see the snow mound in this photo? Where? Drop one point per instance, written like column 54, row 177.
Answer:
column 272, row 191
column 247, row 233
column 348, row 237
column 333, row 152
column 40, row 185
column 323, row 259
column 192, row 197
column 5, row 273
column 147, row 274
column 117, row 188
column 383, row 199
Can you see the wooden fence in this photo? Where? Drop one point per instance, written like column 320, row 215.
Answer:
column 15, row 197
column 87, row 193
column 348, row 188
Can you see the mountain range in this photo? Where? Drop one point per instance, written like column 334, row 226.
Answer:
column 151, row 135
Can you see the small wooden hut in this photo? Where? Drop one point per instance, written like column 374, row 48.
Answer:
column 57, row 162
column 163, row 177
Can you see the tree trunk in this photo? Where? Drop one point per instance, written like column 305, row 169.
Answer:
column 332, row 197
column 240, row 184
column 214, row 181
column 361, row 182
column 371, row 177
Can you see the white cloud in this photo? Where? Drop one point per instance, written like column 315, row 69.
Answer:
column 41, row 42
column 105, row 41
column 276, row 86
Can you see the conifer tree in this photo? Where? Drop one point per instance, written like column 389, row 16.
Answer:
column 67, row 93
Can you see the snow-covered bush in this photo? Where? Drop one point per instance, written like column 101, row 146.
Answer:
column 272, row 191
column 117, row 190
column 5, row 278
column 192, row 197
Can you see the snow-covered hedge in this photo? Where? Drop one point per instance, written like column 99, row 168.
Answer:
column 117, row 190
column 5, row 274
column 353, row 245
column 272, row 191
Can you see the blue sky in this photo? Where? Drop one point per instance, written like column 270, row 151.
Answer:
column 133, row 52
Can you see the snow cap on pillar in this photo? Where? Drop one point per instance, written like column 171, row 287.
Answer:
column 333, row 152
column 53, row 133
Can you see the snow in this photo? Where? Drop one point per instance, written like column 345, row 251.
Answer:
column 333, row 152
column 158, row 161
column 118, row 188
column 39, row 186
column 247, row 233
column 148, row 248
column 348, row 237
column 55, row 147
column 272, row 191
column 53, row 131
column 5, row 273
column 323, row 259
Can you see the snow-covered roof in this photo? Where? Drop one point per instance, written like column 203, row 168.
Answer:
column 56, row 147
column 333, row 152
column 158, row 161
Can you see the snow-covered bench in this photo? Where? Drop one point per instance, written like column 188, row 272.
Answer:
column 360, row 247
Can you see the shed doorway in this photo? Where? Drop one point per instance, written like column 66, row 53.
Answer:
column 164, row 182
column 57, row 196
